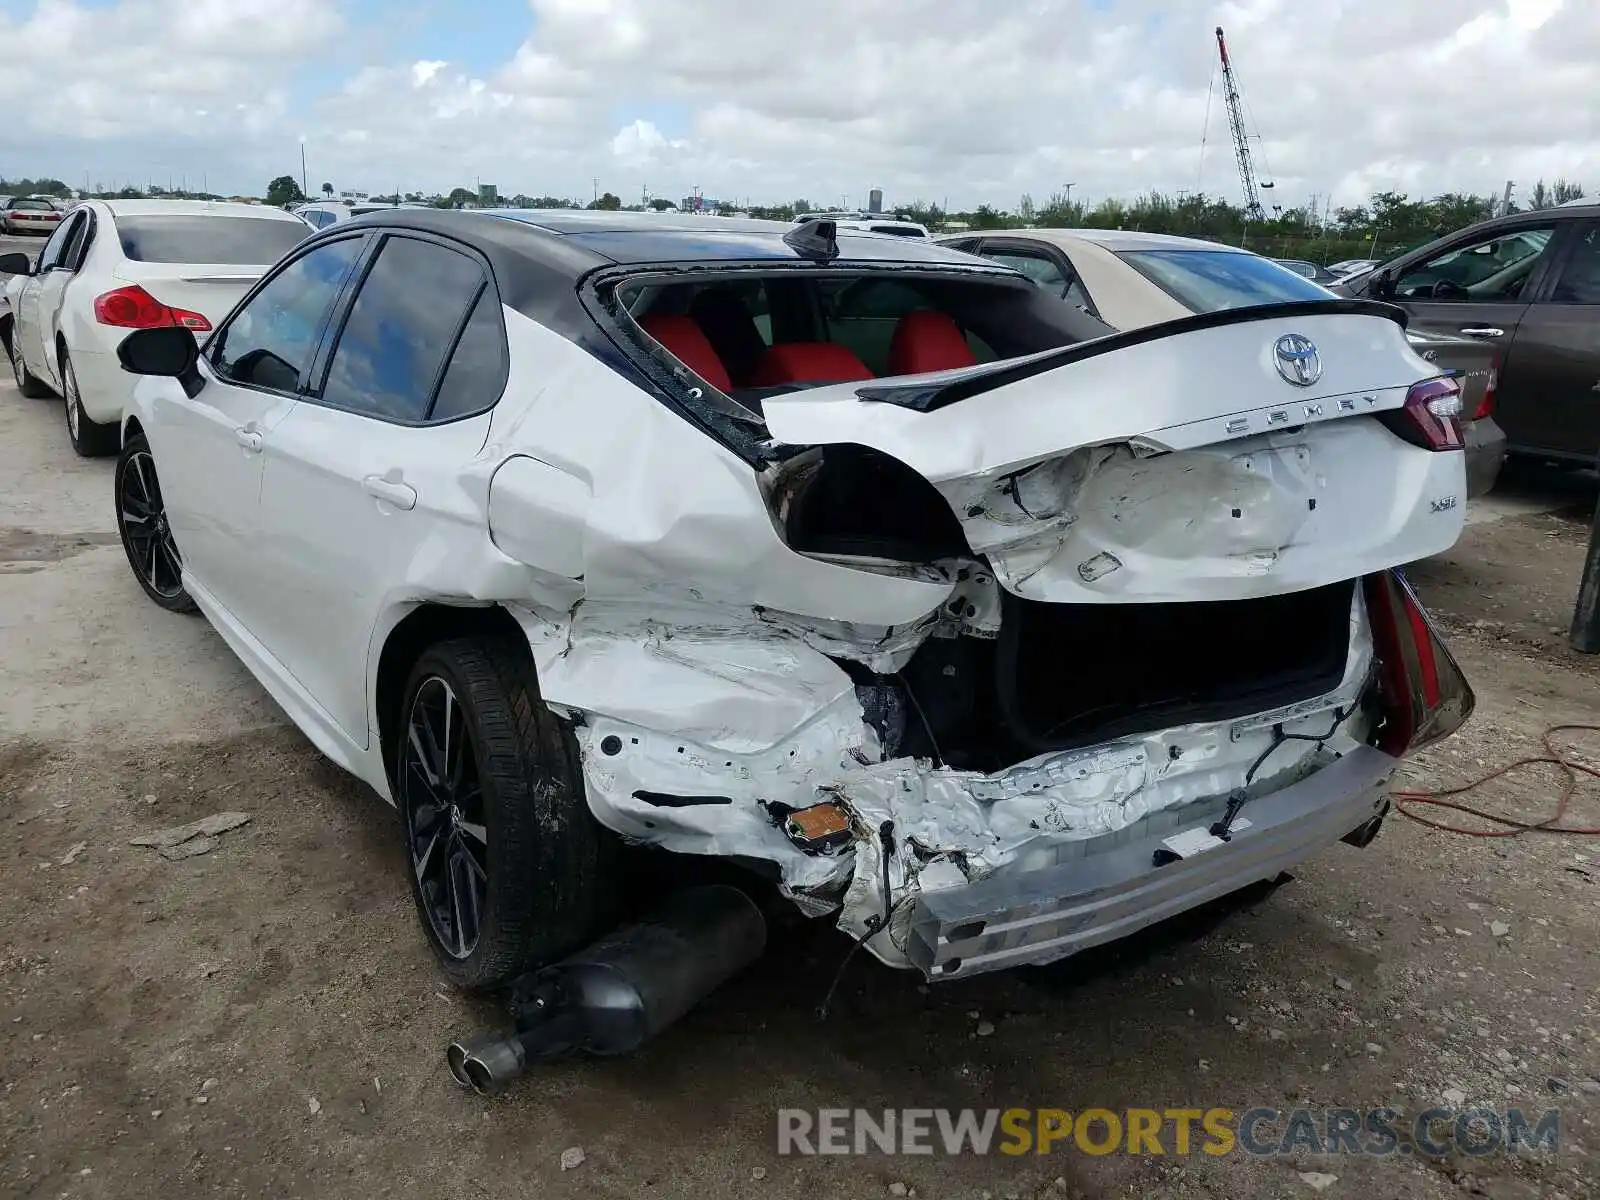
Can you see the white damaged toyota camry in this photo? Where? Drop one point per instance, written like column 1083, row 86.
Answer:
column 961, row 620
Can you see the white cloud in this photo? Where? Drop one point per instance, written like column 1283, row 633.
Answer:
column 422, row 73
column 965, row 99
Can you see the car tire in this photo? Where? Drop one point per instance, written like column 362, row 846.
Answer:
column 142, row 525
column 509, row 869
column 90, row 439
column 29, row 384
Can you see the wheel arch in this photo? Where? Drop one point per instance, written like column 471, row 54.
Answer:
column 425, row 625
column 6, row 318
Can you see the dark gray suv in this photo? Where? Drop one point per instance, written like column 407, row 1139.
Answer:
column 1529, row 284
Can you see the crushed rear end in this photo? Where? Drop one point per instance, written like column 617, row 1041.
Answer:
column 1029, row 655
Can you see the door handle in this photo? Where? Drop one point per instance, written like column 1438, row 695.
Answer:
column 249, row 439
column 390, row 491
column 1482, row 331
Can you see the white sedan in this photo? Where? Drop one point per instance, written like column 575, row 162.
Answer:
column 851, row 559
column 117, row 265
column 1134, row 280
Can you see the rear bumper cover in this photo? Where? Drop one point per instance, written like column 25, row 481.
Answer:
column 1112, row 888
column 1485, row 445
column 104, row 388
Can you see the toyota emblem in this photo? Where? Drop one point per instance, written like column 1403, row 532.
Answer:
column 1297, row 359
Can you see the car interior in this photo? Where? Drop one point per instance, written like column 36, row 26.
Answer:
column 754, row 336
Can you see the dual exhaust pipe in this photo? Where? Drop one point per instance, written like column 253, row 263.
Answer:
column 615, row 995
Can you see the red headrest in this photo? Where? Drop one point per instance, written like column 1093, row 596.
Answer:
column 927, row 340
column 688, row 341
column 808, row 362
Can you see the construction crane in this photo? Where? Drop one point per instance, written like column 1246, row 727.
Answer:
column 1253, row 210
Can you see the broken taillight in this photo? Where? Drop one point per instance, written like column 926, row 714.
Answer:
column 1431, row 415
column 1424, row 694
column 1486, row 405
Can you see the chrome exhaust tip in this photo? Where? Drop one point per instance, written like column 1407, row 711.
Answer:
column 486, row 1064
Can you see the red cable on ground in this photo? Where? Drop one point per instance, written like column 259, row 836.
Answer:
column 1570, row 772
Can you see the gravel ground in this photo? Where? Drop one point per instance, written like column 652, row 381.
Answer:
column 265, row 1019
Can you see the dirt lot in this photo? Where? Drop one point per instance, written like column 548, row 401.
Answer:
column 265, row 1020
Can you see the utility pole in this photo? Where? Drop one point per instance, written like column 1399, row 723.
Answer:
column 1505, row 201
column 304, row 186
column 597, row 189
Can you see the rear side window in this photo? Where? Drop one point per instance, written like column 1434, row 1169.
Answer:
column 270, row 342
column 230, row 241
column 403, row 323
column 477, row 372
column 1212, row 280
column 1580, row 279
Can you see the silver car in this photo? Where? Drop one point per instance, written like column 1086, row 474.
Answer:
column 1131, row 280
column 24, row 214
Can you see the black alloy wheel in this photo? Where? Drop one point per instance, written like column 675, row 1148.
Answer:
column 447, row 831
column 145, row 531
column 508, row 868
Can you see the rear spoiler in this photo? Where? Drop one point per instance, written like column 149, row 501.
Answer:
column 930, row 396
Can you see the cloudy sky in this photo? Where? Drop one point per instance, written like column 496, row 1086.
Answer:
column 967, row 100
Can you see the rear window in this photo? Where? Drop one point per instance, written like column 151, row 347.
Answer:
column 898, row 230
column 234, row 241
column 1212, row 280
column 790, row 330
column 32, row 206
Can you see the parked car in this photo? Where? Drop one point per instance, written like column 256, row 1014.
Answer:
column 116, row 265
column 1527, row 284
column 1137, row 279
column 988, row 631
column 24, row 214
column 323, row 213
column 869, row 223
column 1308, row 270
column 1350, row 266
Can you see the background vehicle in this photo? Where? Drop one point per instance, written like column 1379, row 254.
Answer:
column 1350, row 266
column 322, row 213
column 24, row 214
column 116, row 265
column 1308, row 270
column 1137, row 279
column 869, row 223
column 1527, row 284
column 570, row 547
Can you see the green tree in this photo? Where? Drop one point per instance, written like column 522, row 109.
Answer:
column 661, row 205
column 284, row 190
column 327, row 189
column 607, row 202
column 1566, row 192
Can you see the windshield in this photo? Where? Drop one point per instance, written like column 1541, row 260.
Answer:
column 231, row 241
column 1212, row 280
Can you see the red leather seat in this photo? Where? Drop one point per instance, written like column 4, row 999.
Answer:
column 927, row 340
column 808, row 362
column 688, row 341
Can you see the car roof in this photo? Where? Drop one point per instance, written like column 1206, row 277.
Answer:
column 581, row 240
column 198, row 208
column 1115, row 240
